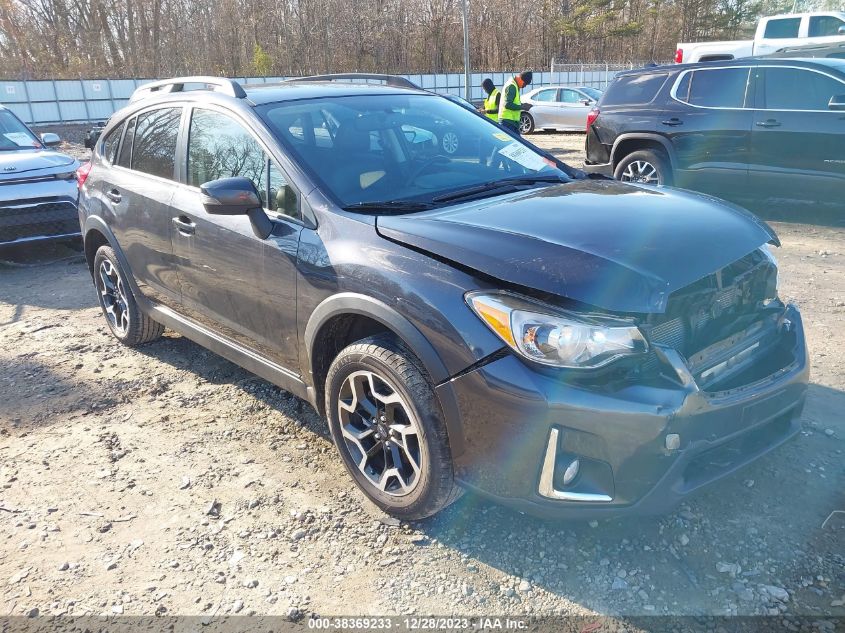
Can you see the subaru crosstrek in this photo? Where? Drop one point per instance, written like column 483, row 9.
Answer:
column 489, row 319
column 38, row 190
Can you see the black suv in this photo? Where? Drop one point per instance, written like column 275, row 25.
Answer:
column 491, row 320
column 766, row 132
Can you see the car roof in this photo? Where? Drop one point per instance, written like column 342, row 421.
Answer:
column 806, row 62
column 260, row 94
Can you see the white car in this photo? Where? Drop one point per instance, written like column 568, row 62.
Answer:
column 562, row 108
column 773, row 33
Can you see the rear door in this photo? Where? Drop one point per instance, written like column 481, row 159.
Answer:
column 138, row 190
column 798, row 143
column 232, row 281
column 708, row 120
column 544, row 108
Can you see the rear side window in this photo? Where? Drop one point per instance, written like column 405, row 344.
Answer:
column 546, row 95
column 154, row 146
column 796, row 89
column 125, row 154
column 786, row 27
column 634, row 89
column 112, row 143
column 825, row 25
column 718, row 88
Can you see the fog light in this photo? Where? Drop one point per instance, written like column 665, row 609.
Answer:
column 571, row 472
column 673, row 442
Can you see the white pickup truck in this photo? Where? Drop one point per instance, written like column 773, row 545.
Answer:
column 773, row 33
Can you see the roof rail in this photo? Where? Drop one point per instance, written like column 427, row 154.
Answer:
column 177, row 84
column 391, row 80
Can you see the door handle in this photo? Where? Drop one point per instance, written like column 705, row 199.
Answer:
column 768, row 123
column 673, row 121
column 114, row 195
column 184, row 225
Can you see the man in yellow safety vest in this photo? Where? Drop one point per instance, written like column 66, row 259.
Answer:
column 491, row 103
column 510, row 106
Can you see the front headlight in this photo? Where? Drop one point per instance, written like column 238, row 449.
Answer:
column 553, row 337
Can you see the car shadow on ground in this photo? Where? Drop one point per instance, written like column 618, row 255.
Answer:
column 760, row 519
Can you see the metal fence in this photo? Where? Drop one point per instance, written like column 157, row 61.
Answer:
column 85, row 100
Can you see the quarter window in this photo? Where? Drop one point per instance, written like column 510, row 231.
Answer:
column 718, row 88
column 112, row 143
column 796, row 89
column 634, row 89
column 154, row 147
column 126, row 147
column 825, row 25
column 784, row 28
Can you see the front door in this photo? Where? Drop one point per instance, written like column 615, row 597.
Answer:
column 139, row 190
column 708, row 120
column 798, row 143
column 572, row 111
column 232, row 281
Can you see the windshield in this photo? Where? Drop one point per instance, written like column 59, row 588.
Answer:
column 593, row 93
column 14, row 135
column 392, row 148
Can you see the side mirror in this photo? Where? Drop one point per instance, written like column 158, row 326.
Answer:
column 50, row 140
column 587, row 102
column 236, row 196
column 841, row 30
column 837, row 102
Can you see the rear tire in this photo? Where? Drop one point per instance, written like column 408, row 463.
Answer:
column 127, row 323
column 526, row 123
column 645, row 166
column 388, row 428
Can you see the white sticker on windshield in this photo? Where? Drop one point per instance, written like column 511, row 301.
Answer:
column 20, row 139
column 518, row 153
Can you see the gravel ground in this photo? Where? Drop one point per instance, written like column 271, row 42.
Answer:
column 165, row 480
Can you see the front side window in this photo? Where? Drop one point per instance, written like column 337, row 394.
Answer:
column 571, row 96
column 154, row 146
column 399, row 148
column 718, row 88
column 14, row 135
column 825, row 25
column 783, row 28
column 112, row 143
column 796, row 89
column 220, row 147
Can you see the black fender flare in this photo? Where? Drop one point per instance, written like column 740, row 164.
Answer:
column 95, row 222
column 353, row 303
column 642, row 136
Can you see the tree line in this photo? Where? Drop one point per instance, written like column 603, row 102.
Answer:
column 57, row 39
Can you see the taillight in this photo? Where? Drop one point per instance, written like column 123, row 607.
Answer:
column 82, row 174
column 679, row 56
column 592, row 115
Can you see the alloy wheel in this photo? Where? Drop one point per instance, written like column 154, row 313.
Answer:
column 449, row 142
column 113, row 296
column 381, row 433
column 524, row 124
column 641, row 171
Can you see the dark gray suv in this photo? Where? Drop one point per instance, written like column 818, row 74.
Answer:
column 488, row 319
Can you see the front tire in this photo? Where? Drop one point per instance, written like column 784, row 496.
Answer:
column 645, row 166
column 388, row 428
column 127, row 323
column 526, row 123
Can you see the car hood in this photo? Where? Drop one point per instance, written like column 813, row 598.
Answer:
column 31, row 163
column 615, row 246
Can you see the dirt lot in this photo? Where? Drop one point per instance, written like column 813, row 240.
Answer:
column 165, row 480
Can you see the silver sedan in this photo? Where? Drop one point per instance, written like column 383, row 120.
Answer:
column 562, row 108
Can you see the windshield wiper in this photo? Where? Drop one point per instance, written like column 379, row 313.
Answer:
column 494, row 185
column 389, row 205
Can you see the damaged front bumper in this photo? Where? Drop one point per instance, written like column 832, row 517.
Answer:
column 641, row 447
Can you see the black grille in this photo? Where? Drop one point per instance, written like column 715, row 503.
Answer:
column 38, row 218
